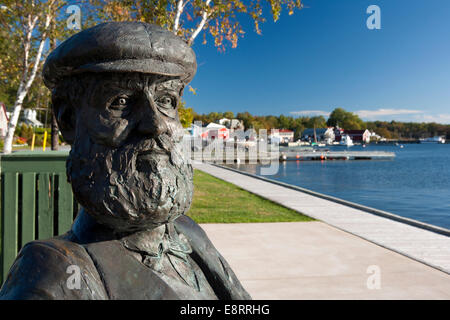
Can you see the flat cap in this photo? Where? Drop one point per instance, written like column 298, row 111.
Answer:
column 121, row 47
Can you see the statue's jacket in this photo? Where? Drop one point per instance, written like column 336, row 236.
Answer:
column 45, row 269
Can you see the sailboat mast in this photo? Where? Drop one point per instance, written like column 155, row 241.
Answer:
column 315, row 136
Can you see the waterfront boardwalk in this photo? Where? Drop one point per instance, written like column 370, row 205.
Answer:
column 292, row 154
column 317, row 260
column 337, row 155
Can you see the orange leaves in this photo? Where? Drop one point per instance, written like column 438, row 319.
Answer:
column 118, row 11
column 220, row 20
column 194, row 91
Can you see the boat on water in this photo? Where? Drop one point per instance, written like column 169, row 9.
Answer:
column 435, row 139
column 346, row 141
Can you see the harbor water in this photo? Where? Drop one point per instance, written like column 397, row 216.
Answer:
column 415, row 184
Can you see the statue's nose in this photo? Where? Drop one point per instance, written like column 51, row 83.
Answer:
column 151, row 122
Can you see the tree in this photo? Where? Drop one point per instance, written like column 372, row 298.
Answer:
column 228, row 115
column 186, row 115
column 188, row 18
column 344, row 119
column 285, row 122
column 383, row 132
column 317, row 122
column 28, row 27
column 246, row 118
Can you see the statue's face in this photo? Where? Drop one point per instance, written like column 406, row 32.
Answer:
column 126, row 165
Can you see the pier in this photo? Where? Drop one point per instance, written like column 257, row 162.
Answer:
column 320, row 155
column 336, row 155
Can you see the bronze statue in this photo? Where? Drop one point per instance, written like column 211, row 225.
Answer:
column 115, row 90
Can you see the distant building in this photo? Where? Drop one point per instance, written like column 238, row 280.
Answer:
column 216, row 131
column 362, row 136
column 322, row 134
column 282, row 135
column 225, row 122
column 194, row 130
column 232, row 124
column 236, row 124
column 29, row 118
column 374, row 136
column 3, row 120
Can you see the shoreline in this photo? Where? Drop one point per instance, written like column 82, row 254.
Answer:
column 416, row 242
column 382, row 213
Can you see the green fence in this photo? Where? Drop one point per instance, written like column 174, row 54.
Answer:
column 36, row 201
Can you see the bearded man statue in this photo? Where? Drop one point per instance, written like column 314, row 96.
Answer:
column 115, row 91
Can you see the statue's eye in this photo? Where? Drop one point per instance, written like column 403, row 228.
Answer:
column 120, row 106
column 120, row 102
column 167, row 105
column 166, row 102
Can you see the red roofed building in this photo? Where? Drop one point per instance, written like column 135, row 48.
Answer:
column 284, row 135
column 362, row 136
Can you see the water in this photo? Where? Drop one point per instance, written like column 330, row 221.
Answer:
column 416, row 184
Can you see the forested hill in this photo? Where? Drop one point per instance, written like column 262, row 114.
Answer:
column 344, row 119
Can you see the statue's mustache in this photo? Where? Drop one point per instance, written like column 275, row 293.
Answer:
column 162, row 144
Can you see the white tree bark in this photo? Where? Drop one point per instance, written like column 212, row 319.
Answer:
column 200, row 25
column 180, row 7
column 27, row 78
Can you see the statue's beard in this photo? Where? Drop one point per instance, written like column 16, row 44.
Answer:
column 140, row 185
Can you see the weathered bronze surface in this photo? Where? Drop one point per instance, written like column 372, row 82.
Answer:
column 115, row 90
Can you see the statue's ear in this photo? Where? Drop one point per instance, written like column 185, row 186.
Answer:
column 65, row 116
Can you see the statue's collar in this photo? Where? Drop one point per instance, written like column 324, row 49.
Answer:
column 152, row 243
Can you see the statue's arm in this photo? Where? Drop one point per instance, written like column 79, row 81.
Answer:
column 40, row 271
column 216, row 269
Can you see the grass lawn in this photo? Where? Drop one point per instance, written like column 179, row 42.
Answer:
column 217, row 201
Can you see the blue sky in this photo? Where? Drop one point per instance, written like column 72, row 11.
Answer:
column 324, row 57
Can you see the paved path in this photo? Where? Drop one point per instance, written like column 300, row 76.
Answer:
column 312, row 260
column 425, row 246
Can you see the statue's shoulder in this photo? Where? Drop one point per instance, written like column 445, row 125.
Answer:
column 55, row 268
column 185, row 225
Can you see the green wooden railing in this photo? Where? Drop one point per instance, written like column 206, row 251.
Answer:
column 36, row 201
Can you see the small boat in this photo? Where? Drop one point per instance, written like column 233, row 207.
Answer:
column 346, row 141
column 435, row 139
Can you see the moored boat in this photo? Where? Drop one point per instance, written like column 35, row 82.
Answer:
column 435, row 139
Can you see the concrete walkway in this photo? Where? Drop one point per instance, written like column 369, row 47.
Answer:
column 312, row 260
column 332, row 263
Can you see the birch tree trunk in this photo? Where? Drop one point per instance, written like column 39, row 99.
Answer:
column 54, row 127
column 200, row 25
column 27, row 76
column 180, row 6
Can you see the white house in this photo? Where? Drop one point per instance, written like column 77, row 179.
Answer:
column 225, row 122
column 215, row 131
column 29, row 117
column 232, row 124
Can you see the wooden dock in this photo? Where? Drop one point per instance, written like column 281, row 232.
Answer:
column 336, row 155
column 321, row 155
column 426, row 246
